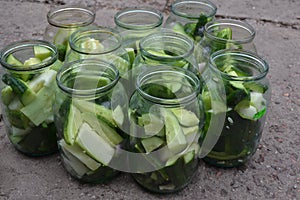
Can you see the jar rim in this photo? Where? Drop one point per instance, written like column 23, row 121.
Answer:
column 242, row 55
column 69, row 67
column 206, row 3
column 138, row 11
column 231, row 23
column 24, row 44
column 61, row 10
column 85, row 31
column 158, row 71
column 159, row 36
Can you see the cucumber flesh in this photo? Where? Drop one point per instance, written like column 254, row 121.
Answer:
column 72, row 125
column 41, row 52
column 77, row 152
column 12, row 60
column 94, row 144
column 186, row 117
column 152, row 143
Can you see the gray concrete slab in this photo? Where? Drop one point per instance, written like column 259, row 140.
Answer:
column 274, row 171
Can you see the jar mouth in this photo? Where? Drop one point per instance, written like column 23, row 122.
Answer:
column 165, row 77
column 138, row 18
column 242, row 32
column 108, row 38
column 192, row 9
column 87, row 77
column 23, row 50
column 255, row 66
column 70, row 16
column 166, row 46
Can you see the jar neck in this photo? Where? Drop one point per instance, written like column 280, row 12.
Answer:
column 242, row 32
column 70, row 17
column 24, row 50
column 94, row 40
column 88, row 78
column 138, row 19
column 192, row 9
column 156, row 84
column 166, row 46
column 254, row 67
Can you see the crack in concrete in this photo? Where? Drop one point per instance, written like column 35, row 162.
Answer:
column 280, row 23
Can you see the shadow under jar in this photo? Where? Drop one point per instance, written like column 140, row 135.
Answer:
column 88, row 115
column 247, row 95
column 135, row 23
column 27, row 95
column 224, row 34
column 166, row 124
column 62, row 22
column 189, row 17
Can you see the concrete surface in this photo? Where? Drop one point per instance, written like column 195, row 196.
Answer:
column 274, row 171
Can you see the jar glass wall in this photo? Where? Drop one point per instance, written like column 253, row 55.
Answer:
column 62, row 22
column 188, row 17
column 99, row 43
column 136, row 23
column 165, row 48
column 27, row 94
column 225, row 34
column 88, row 114
column 247, row 94
column 166, row 116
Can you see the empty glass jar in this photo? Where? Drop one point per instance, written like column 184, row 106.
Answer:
column 166, row 116
column 27, row 95
column 247, row 95
column 89, row 111
column 189, row 17
column 63, row 21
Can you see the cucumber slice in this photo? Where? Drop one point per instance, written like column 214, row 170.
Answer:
column 77, row 152
column 72, row 125
column 102, row 112
column 118, row 115
column 256, row 87
column 7, row 95
column 152, row 124
column 175, row 138
column 32, row 61
column 186, row 117
column 41, row 52
column 152, row 143
column 13, row 60
column 131, row 54
column 192, row 133
column 105, row 131
column 91, row 44
column 94, row 144
column 44, row 79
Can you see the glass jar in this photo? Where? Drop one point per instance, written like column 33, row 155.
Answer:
column 99, row 43
column 224, row 34
column 27, row 91
column 166, row 116
column 136, row 23
column 62, row 22
column 165, row 48
column 189, row 17
column 88, row 119
column 247, row 93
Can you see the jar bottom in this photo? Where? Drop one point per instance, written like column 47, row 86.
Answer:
column 183, row 178
column 228, row 163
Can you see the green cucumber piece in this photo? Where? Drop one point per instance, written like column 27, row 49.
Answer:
column 17, row 119
column 94, row 144
column 25, row 94
column 151, row 123
column 186, row 117
column 32, row 61
column 41, row 52
column 12, row 60
column 72, row 125
column 152, row 143
column 102, row 112
column 44, row 79
column 255, row 87
column 77, row 152
column 175, row 138
column 105, row 131
column 118, row 115
column 7, row 95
